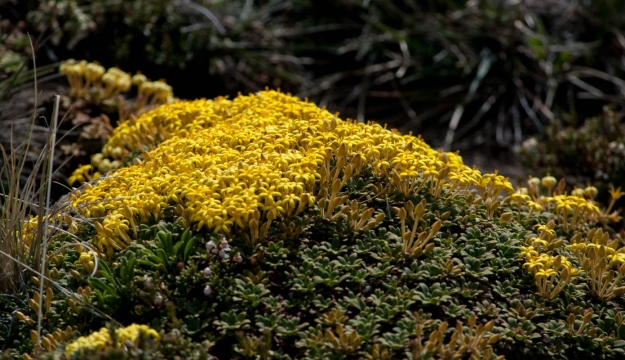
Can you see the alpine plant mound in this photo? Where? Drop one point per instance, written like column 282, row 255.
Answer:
column 267, row 227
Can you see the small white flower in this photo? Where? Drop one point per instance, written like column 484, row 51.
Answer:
column 210, row 245
column 158, row 299
column 207, row 271
column 223, row 244
column 208, row 291
column 238, row 258
column 148, row 285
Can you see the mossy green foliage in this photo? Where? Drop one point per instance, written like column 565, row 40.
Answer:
column 288, row 296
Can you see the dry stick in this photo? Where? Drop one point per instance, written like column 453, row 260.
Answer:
column 44, row 248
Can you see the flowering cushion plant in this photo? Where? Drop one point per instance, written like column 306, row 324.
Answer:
column 265, row 226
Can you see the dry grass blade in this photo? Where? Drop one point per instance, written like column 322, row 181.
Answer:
column 51, row 146
column 485, row 64
column 15, row 206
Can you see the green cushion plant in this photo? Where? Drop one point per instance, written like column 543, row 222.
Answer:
column 266, row 227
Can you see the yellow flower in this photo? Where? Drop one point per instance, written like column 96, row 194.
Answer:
column 520, row 198
column 533, row 264
column 272, row 207
column 617, row 259
column 544, row 273
column 616, row 194
column 575, row 271
column 528, row 252
column 577, row 247
column 538, row 242
column 546, row 229
column 534, row 206
column 564, row 262
column 546, row 259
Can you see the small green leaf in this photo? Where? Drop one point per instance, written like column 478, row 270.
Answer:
column 100, row 285
column 189, row 249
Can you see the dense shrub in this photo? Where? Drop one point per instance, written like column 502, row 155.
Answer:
column 593, row 152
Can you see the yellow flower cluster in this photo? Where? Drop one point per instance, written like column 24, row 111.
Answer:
column 85, row 77
column 551, row 273
column 598, row 259
column 93, row 81
column 82, row 174
column 602, row 260
column 116, row 81
column 152, row 92
column 29, row 228
column 99, row 340
column 492, row 185
column 572, row 211
column 29, row 231
column 96, row 341
column 86, row 261
column 131, row 333
column 155, row 126
column 81, row 75
column 247, row 161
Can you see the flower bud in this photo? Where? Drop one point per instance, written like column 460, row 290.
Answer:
column 548, row 181
column 590, row 191
column 139, row 79
column 208, row 291
column 20, row 316
column 533, row 182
